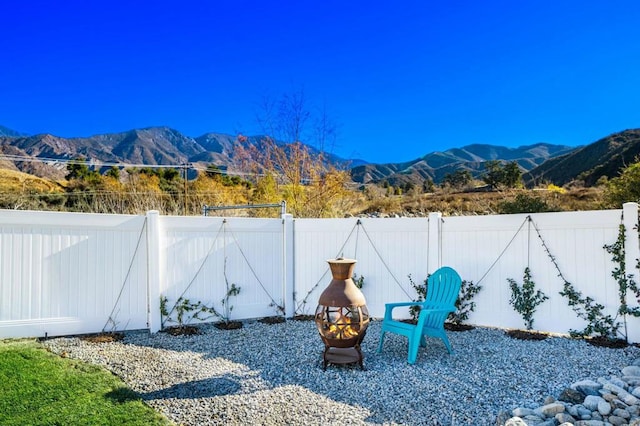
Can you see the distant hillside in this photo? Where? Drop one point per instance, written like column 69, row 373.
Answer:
column 149, row 146
column 165, row 146
column 472, row 157
column 605, row 157
column 15, row 181
column 5, row 131
column 218, row 148
column 141, row 146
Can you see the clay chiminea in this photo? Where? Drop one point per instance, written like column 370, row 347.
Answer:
column 342, row 316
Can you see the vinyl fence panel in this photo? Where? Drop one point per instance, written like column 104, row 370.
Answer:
column 68, row 273
column 490, row 249
column 205, row 256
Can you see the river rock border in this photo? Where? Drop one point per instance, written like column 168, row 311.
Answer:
column 602, row 402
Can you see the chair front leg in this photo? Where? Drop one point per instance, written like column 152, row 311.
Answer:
column 381, row 342
column 414, row 345
column 423, row 341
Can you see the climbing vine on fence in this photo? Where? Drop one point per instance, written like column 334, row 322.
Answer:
column 586, row 308
column 625, row 281
column 186, row 311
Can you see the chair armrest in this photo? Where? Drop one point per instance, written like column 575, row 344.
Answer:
column 393, row 305
column 389, row 307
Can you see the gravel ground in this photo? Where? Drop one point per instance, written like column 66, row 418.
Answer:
column 267, row 374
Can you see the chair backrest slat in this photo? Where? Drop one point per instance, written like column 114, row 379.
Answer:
column 443, row 286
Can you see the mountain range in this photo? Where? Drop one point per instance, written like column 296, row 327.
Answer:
column 559, row 164
column 437, row 165
column 604, row 158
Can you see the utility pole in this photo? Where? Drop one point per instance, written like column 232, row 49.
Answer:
column 186, row 165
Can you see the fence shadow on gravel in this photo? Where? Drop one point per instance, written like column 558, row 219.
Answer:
column 205, row 388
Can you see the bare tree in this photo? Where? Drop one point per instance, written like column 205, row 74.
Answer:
column 293, row 169
column 325, row 131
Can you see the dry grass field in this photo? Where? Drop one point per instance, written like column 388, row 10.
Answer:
column 27, row 192
column 12, row 181
column 482, row 203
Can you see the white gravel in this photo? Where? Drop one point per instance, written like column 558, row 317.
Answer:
column 272, row 375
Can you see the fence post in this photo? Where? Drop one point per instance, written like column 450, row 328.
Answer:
column 631, row 256
column 433, row 244
column 154, row 271
column 288, row 273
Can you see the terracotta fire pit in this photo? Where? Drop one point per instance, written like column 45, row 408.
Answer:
column 342, row 316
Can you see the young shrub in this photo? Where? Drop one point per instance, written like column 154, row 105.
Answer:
column 185, row 311
column 233, row 290
column 464, row 303
column 358, row 281
column 421, row 291
column 526, row 299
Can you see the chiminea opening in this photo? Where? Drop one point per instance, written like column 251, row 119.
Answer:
column 342, row 316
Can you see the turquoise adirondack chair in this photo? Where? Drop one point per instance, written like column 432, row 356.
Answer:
column 442, row 292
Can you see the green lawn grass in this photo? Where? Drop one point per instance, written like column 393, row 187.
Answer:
column 40, row 388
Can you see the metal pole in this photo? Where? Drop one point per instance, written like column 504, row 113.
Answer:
column 282, row 205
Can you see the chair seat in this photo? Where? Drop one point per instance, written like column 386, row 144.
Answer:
column 401, row 326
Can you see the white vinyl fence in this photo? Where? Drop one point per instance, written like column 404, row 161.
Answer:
column 71, row 273
column 569, row 244
column 205, row 256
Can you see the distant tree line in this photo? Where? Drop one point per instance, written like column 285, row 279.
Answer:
column 497, row 175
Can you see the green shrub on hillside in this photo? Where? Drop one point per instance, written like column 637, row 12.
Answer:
column 524, row 203
column 624, row 188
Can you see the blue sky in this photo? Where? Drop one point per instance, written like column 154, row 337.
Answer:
column 401, row 79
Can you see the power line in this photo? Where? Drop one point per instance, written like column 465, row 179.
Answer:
column 97, row 193
column 92, row 163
